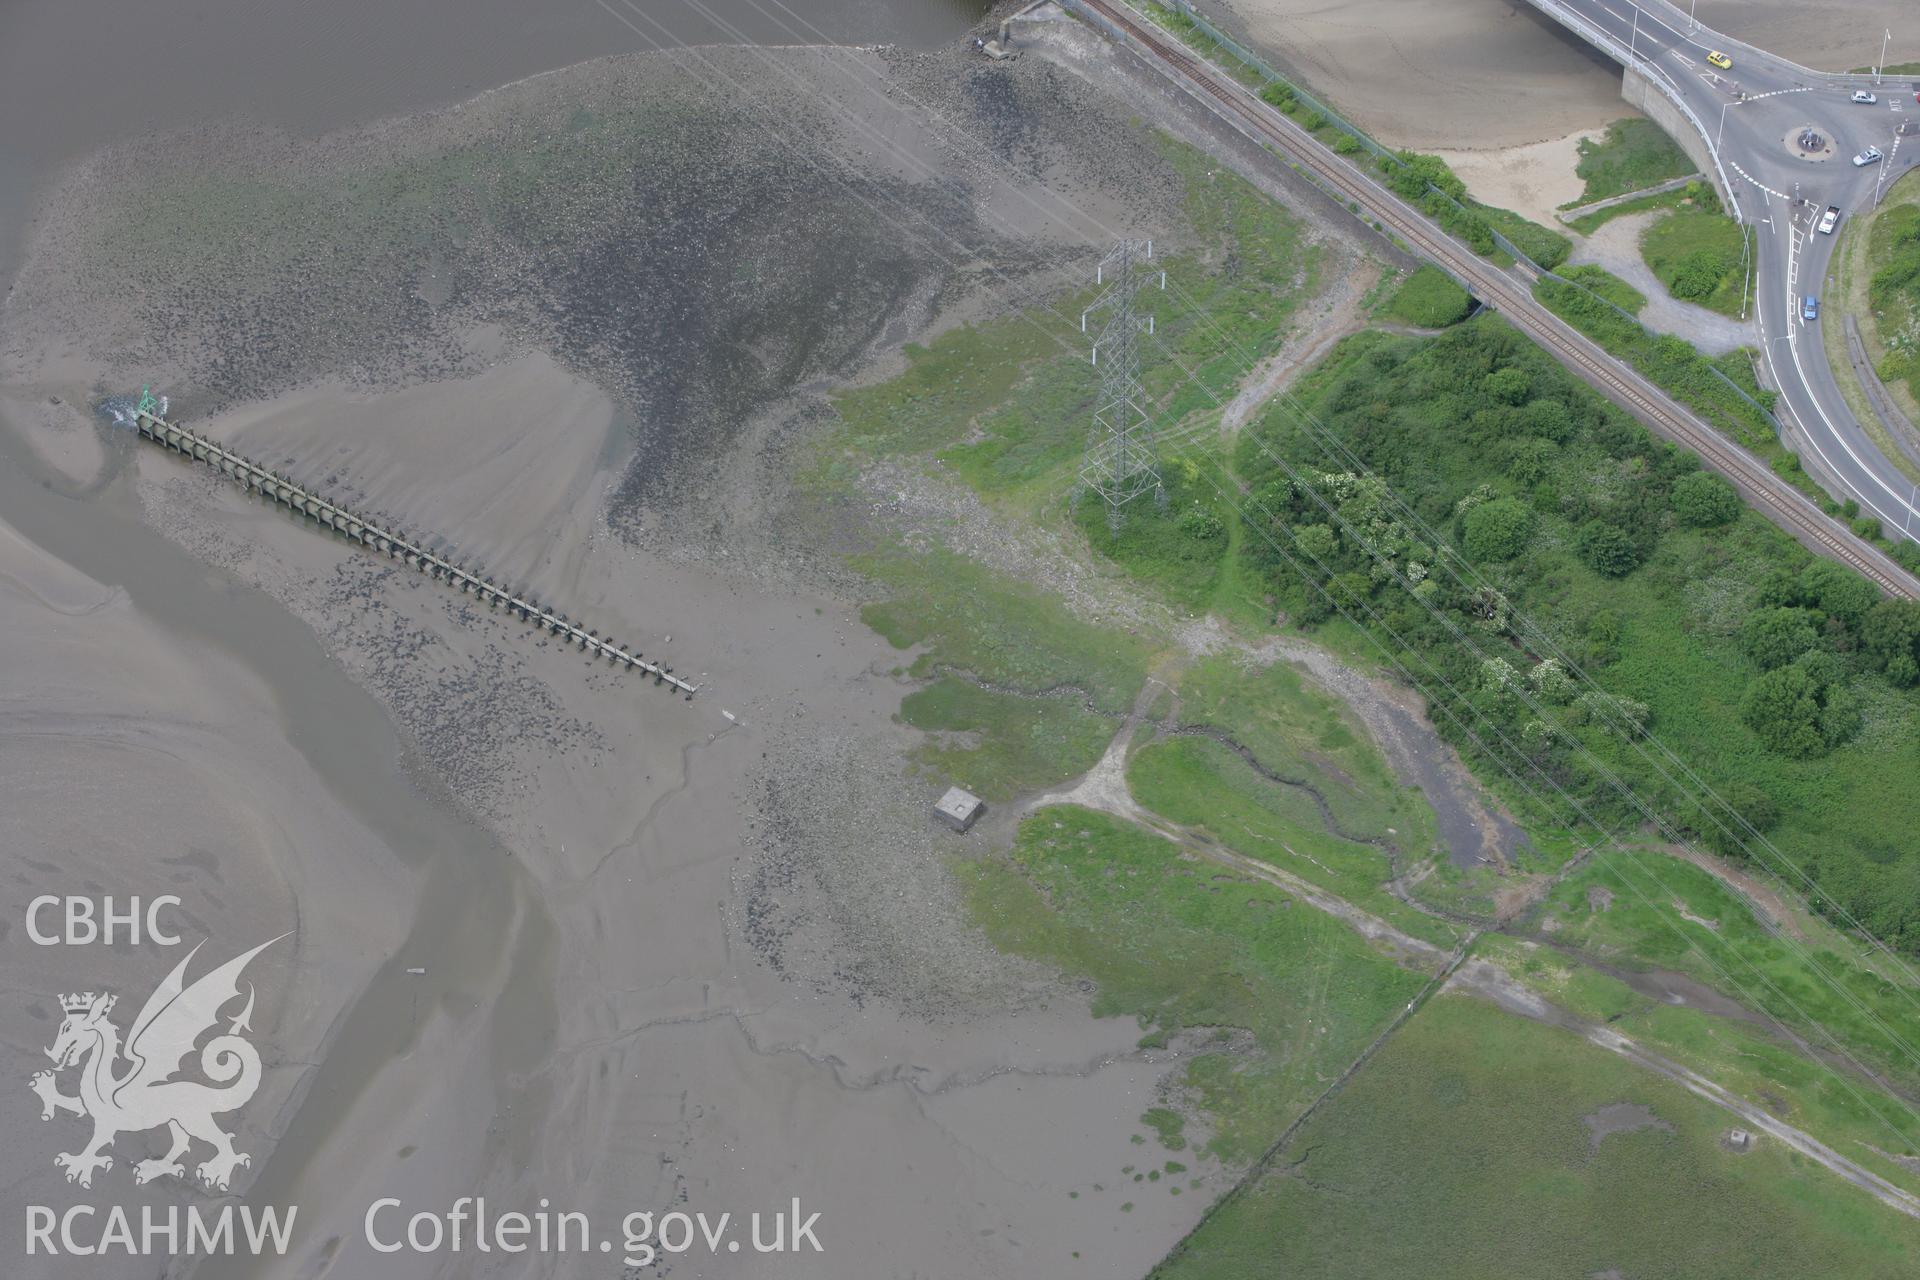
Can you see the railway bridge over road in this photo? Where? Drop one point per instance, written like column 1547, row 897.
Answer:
column 1741, row 123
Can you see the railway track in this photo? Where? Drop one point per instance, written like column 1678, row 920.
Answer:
column 1498, row 288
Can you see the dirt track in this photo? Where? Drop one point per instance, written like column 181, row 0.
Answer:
column 1494, row 983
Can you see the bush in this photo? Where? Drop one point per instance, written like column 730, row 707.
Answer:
column 1704, row 500
column 1838, row 592
column 1346, row 144
column 1801, row 710
column 1430, row 299
column 1773, row 637
column 1890, row 635
column 1606, row 549
column 1697, row 275
column 1278, row 95
column 1497, row 530
column 1603, row 636
column 1548, row 418
column 1509, row 385
column 1723, row 826
column 1199, row 523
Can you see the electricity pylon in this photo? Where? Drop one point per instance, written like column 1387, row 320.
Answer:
column 1119, row 465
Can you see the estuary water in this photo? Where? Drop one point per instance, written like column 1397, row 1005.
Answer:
column 75, row 77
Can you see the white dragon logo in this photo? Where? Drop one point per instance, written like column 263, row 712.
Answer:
column 145, row 1095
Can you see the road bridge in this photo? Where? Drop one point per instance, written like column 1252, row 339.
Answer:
column 1741, row 123
column 1507, row 291
column 382, row 539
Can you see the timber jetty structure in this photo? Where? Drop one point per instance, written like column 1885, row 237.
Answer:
column 146, row 420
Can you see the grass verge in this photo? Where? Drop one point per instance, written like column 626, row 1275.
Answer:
column 1276, row 997
column 1633, row 154
column 1428, row 299
column 1477, row 1144
column 1700, row 255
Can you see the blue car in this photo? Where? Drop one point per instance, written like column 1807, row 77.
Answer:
column 1809, row 309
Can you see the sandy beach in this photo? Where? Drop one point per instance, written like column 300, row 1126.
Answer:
column 1533, row 179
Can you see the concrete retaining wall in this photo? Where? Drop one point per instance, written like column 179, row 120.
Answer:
column 1641, row 92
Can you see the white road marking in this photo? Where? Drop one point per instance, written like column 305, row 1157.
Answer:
column 1793, row 346
column 1755, row 181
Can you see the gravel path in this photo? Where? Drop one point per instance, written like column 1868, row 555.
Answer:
column 1616, row 246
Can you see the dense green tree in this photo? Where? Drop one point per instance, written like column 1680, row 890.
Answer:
column 1839, row 592
column 1550, row 419
column 1783, row 707
column 1606, row 549
column 1530, row 459
column 1410, row 174
column 1801, row 709
column 1890, row 634
column 1773, row 637
column 1509, row 385
column 1780, row 587
column 1704, row 500
column 1497, row 530
column 1317, row 542
column 1349, row 592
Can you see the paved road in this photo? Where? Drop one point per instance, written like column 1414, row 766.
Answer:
column 1358, row 188
column 1751, row 115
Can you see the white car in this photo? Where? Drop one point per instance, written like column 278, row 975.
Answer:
column 1861, row 95
column 1870, row 156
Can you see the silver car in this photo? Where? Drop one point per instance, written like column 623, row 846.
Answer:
column 1870, row 156
column 1861, row 95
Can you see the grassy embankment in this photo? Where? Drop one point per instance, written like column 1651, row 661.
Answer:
column 1659, row 624
column 1427, row 299
column 1279, row 997
column 1018, row 694
column 1588, row 223
column 1835, row 1105
column 1600, row 534
column 1465, row 1150
column 1698, row 253
column 1315, row 799
column 1865, row 243
column 1597, row 279
column 1631, row 156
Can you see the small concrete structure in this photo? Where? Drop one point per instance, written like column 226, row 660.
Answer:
column 1739, row 1139
column 959, row 809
